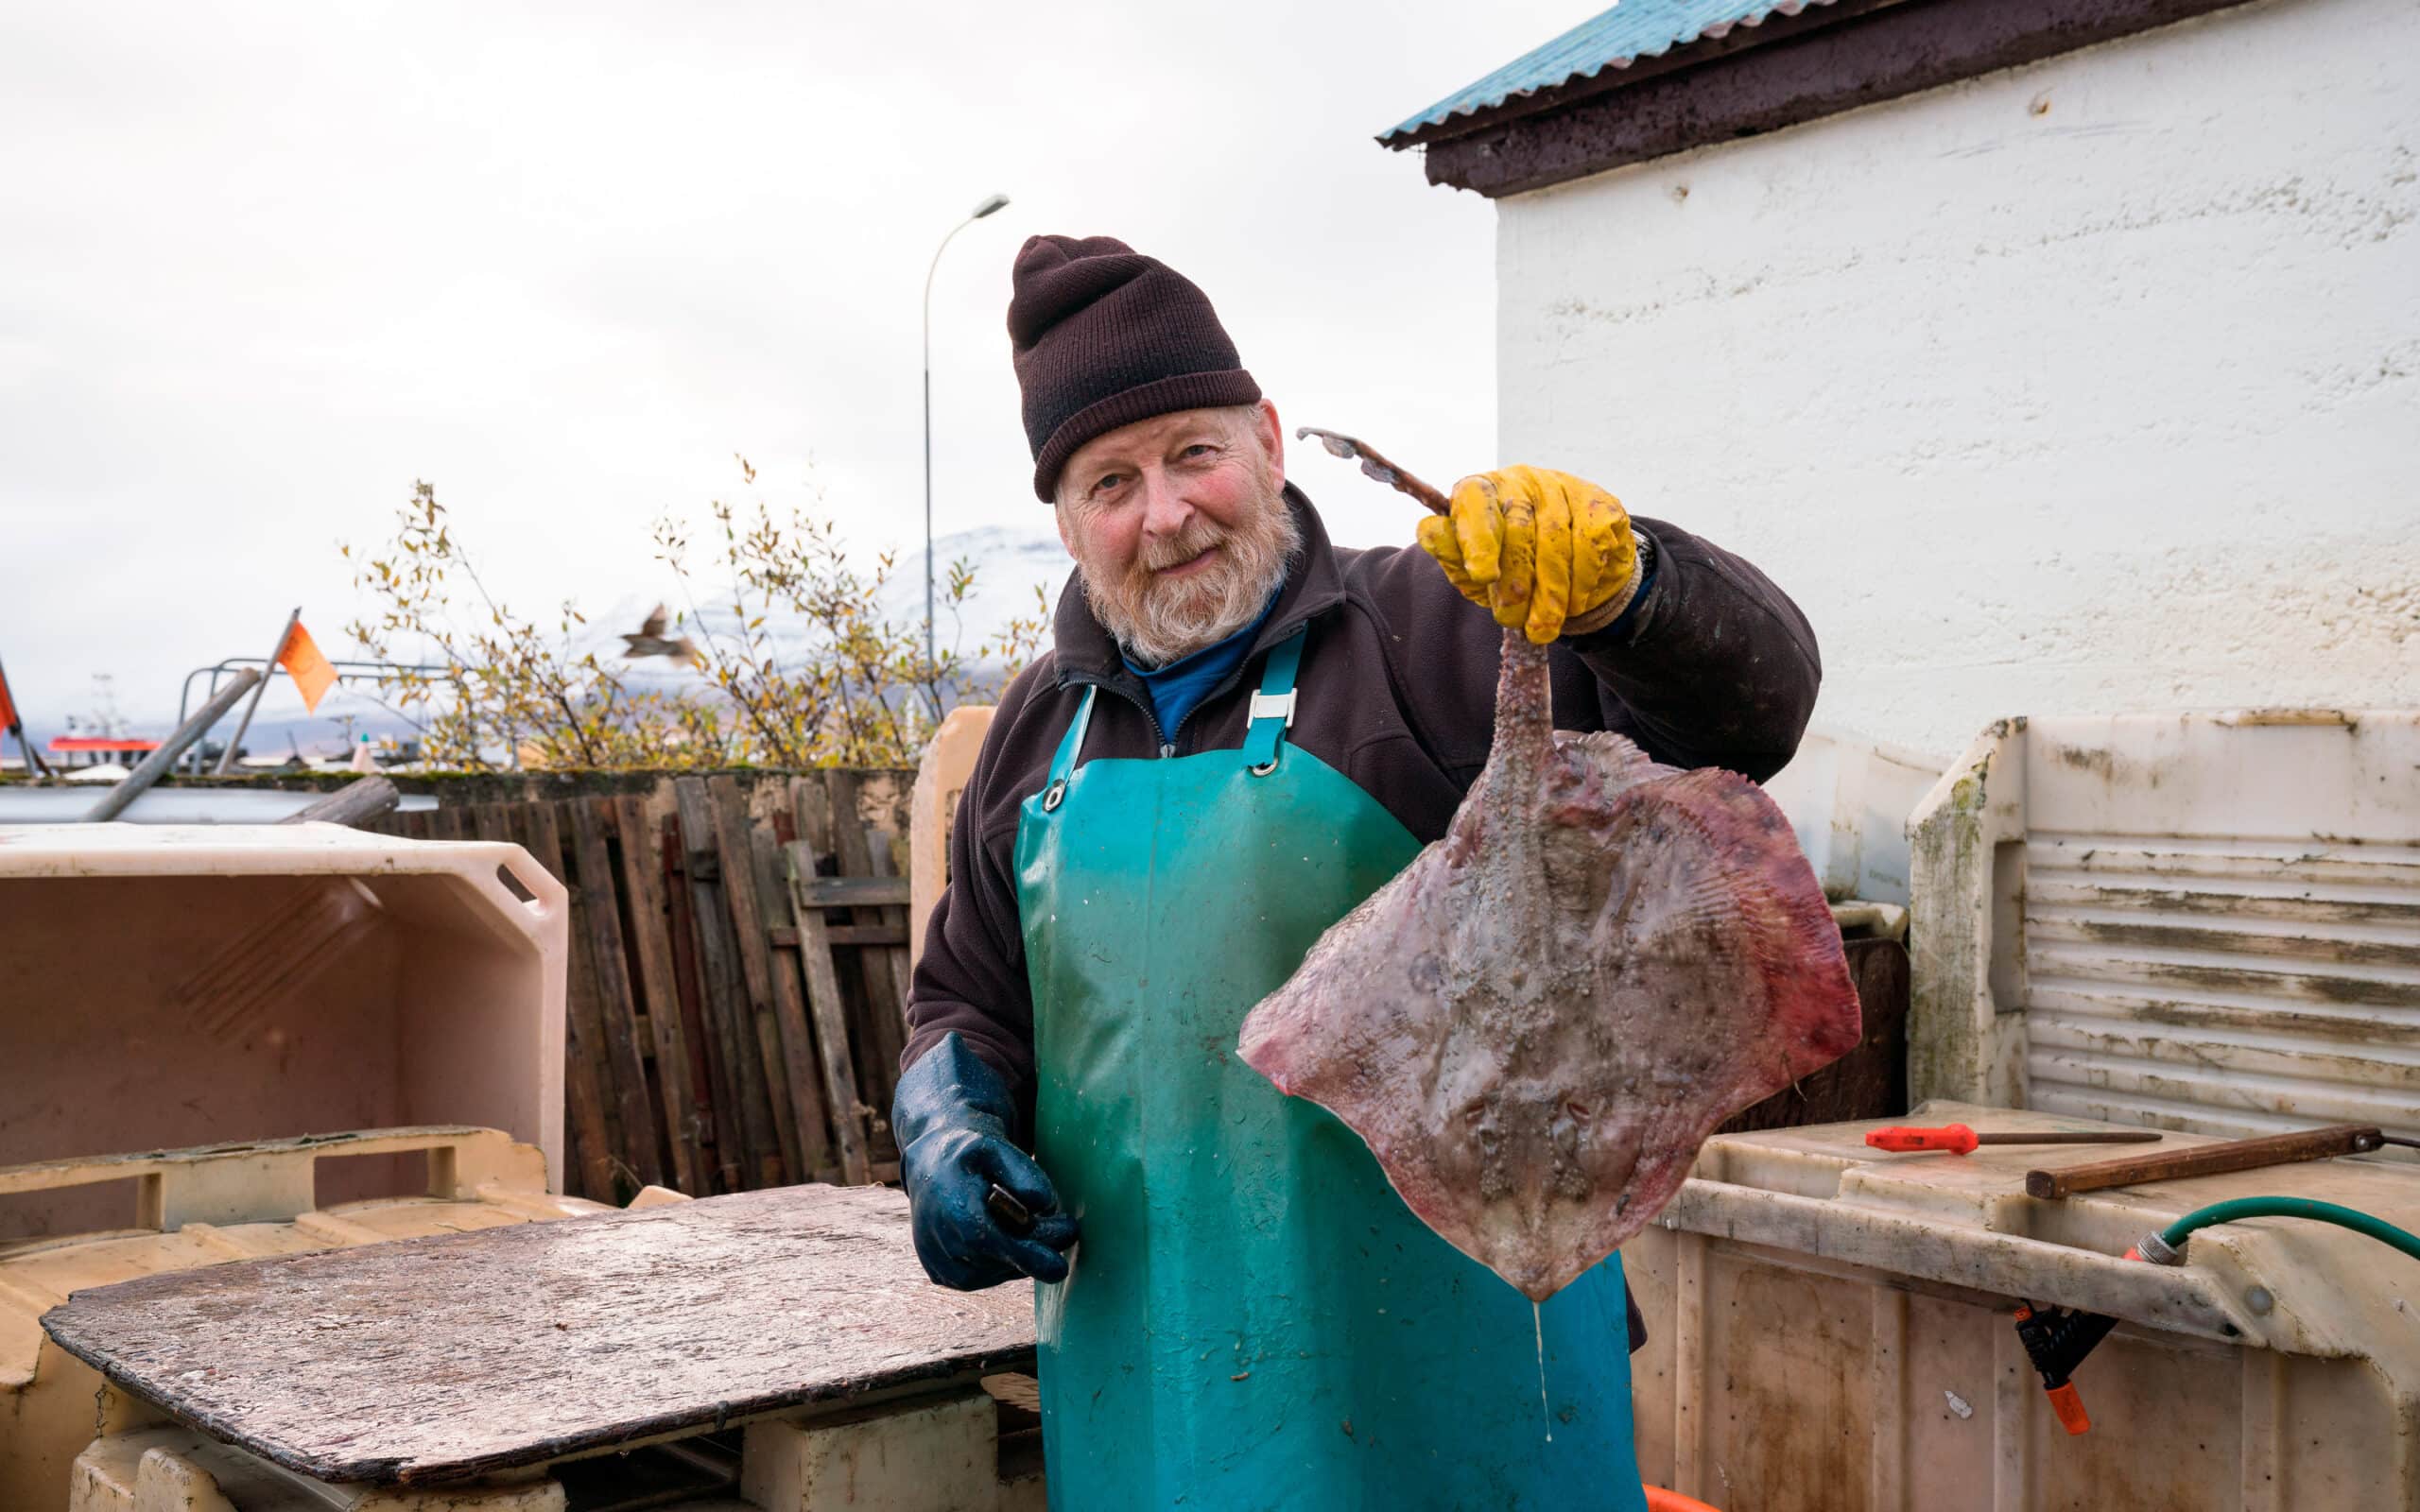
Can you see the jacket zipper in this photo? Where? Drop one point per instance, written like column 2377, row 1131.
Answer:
column 1166, row 746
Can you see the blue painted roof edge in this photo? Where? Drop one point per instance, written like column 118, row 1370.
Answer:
column 1614, row 38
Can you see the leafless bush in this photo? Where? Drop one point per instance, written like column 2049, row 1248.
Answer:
column 800, row 666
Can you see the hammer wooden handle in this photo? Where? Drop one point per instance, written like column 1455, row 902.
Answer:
column 2206, row 1159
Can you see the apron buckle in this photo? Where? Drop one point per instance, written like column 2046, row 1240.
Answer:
column 1272, row 708
column 1050, row 797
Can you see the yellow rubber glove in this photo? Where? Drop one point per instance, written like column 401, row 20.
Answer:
column 1538, row 549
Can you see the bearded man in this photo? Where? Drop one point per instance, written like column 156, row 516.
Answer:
column 1242, row 730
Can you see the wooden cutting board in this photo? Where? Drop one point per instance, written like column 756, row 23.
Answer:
column 462, row 1355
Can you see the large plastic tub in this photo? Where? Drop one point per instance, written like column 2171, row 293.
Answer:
column 1848, row 799
column 1830, row 1329
column 163, row 986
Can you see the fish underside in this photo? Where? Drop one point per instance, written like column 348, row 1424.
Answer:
column 1536, row 1025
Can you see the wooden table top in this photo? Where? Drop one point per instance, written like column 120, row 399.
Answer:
column 452, row 1356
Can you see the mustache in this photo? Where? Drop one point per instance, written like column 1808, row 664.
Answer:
column 1199, row 537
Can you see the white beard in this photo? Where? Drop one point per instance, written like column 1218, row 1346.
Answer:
column 1158, row 621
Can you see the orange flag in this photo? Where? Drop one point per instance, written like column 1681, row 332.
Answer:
column 311, row 672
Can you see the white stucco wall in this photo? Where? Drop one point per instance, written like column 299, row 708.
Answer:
column 2089, row 388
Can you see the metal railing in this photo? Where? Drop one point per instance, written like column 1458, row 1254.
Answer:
column 346, row 671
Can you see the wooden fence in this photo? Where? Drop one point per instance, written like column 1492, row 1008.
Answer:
column 738, row 973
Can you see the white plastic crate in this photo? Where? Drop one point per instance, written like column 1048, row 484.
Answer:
column 1830, row 1329
column 163, row 986
column 2189, row 921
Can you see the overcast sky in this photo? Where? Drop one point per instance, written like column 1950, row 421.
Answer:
column 263, row 266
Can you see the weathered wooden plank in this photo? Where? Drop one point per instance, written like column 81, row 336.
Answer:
column 777, row 910
column 811, row 822
column 454, row 1361
column 709, row 1079
column 854, row 892
column 799, row 1068
column 364, row 803
column 732, row 828
column 716, row 977
column 651, row 948
column 891, row 934
column 849, row 1113
column 730, row 812
column 785, row 937
column 587, row 1105
column 588, row 1096
column 492, row 822
column 818, row 827
column 596, row 906
column 725, row 994
column 883, row 969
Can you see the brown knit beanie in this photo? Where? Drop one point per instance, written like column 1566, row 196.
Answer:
column 1105, row 336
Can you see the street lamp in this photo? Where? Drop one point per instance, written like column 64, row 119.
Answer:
column 990, row 203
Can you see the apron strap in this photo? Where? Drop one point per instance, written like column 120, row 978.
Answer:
column 1272, row 707
column 1071, row 745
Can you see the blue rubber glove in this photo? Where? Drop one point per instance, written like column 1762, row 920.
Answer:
column 951, row 1118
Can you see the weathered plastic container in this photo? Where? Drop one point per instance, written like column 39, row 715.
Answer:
column 204, row 1207
column 2189, row 921
column 1829, row 1329
column 177, row 1469
column 923, row 1455
column 1848, row 799
column 942, row 775
column 163, row 986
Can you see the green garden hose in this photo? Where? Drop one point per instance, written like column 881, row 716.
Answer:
column 2056, row 1339
column 2171, row 1239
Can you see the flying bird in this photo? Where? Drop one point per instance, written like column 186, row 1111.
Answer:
column 650, row 640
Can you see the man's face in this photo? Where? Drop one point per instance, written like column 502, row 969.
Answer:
column 1179, row 526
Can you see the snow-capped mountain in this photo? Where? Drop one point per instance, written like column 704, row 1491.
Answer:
column 1009, row 564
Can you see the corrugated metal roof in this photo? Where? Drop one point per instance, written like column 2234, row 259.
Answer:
column 1631, row 30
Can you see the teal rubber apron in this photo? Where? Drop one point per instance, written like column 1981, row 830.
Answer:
column 1252, row 1318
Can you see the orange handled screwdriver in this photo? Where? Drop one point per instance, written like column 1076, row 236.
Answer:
column 1957, row 1139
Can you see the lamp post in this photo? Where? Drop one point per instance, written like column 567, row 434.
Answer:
column 990, row 203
